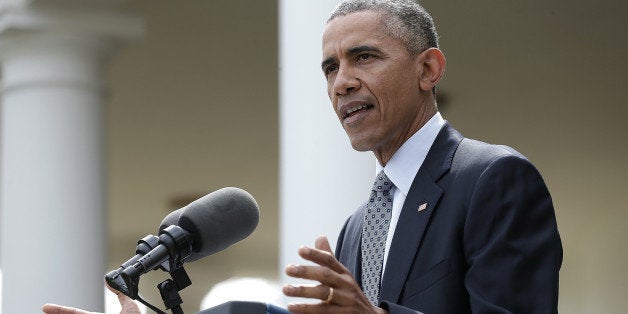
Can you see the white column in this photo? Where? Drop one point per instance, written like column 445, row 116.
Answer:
column 52, row 176
column 322, row 179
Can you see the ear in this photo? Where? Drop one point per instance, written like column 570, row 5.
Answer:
column 432, row 67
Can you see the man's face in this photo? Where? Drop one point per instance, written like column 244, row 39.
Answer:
column 373, row 83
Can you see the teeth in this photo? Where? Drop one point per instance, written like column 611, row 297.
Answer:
column 354, row 109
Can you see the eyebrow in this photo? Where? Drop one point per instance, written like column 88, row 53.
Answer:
column 360, row 49
column 352, row 52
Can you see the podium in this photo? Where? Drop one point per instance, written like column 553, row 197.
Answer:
column 245, row 307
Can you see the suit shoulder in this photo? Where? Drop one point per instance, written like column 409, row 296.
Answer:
column 470, row 148
column 473, row 159
column 473, row 153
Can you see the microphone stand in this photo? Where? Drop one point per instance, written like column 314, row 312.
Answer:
column 169, row 289
column 177, row 244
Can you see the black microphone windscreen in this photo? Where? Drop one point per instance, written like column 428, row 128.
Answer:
column 170, row 219
column 217, row 220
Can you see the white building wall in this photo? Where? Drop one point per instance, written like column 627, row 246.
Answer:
column 52, row 164
column 322, row 179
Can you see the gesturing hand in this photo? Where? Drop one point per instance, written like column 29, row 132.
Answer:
column 127, row 304
column 338, row 291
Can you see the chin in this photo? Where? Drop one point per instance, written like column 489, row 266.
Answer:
column 360, row 146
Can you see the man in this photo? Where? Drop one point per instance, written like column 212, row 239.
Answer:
column 471, row 227
column 461, row 226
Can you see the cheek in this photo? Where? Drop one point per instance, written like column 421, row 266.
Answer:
column 333, row 101
column 395, row 105
column 330, row 87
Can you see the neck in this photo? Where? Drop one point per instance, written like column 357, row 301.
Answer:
column 385, row 153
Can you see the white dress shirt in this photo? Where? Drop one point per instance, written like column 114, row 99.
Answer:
column 403, row 167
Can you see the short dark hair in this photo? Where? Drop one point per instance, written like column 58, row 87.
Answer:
column 405, row 20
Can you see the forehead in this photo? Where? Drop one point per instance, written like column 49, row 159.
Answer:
column 354, row 29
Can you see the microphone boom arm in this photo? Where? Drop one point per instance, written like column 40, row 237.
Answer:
column 175, row 244
column 144, row 246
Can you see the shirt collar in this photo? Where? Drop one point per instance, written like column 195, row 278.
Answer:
column 405, row 163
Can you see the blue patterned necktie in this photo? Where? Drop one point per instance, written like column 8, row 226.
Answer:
column 374, row 232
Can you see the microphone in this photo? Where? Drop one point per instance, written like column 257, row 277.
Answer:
column 208, row 225
column 170, row 219
column 144, row 246
column 216, row 221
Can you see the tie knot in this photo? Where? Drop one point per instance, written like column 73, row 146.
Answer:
column 382, row 183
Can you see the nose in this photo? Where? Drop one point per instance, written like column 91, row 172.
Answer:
column 345, row 82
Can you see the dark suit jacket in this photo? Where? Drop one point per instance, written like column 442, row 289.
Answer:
column 486, row 243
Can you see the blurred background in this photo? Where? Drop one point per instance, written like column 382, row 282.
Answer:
column 194, row 104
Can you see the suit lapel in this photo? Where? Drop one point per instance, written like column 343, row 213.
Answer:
column 412, row 221
column 408, row 234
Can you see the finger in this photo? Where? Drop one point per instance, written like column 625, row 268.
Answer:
column 323, row 258
column 128, row 305
column 116, row 292
column 317, row 273
column 312, row 292
column 322, row 243
column 58, row 309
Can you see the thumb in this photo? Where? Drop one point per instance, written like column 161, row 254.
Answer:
column 128, row 305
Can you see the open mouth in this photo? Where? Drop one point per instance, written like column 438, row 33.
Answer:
column 356, row 110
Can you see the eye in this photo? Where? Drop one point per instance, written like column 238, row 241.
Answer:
column 364, row 56
column 330, row 68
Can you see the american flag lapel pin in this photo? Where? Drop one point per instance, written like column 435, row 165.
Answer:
column 422, row 207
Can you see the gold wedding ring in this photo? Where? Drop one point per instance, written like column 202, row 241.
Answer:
column 330, row 296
